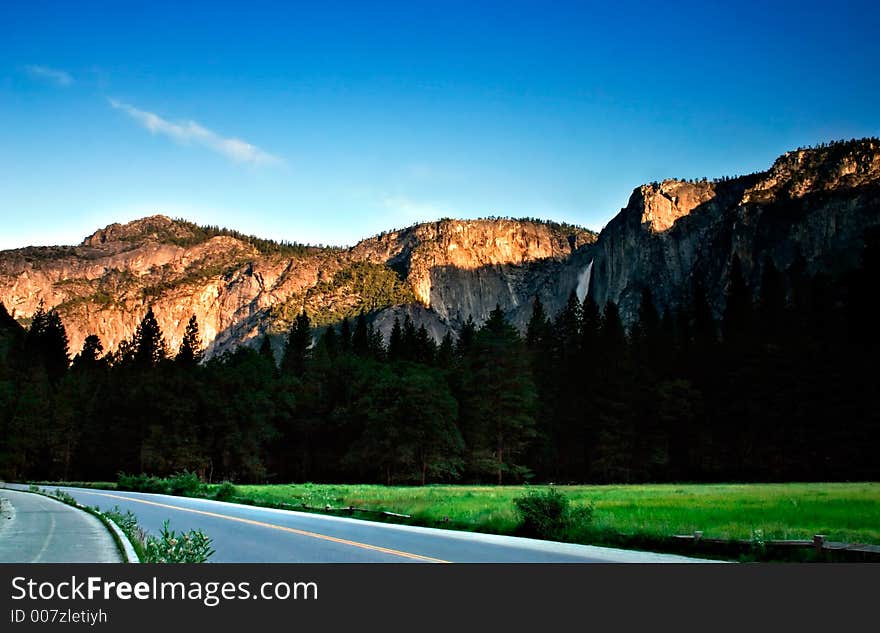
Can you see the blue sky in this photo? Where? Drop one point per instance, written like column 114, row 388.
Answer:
column 327, row 122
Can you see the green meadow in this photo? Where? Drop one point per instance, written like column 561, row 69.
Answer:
column 842, row 511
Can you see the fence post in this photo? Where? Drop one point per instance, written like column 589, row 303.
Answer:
column 819, row 543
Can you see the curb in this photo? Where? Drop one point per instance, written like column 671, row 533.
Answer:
column 127, row 548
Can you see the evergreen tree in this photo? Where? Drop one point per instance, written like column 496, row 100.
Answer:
column 330, row 342
column 501, row 400
column 266, row 350
column 148, row 344
column 466, row 337
column 89, row 356
column 446, row 351
column 297, row 349
column 410, row 343
column 345, row 336
column 611, row 334
column 425, row 349
column 591, row 322
column 46, row 344
column 360, row 339
column 190, row 352
column 395, row 342
column 539, row 324
column 55, row 348
column 376, row 343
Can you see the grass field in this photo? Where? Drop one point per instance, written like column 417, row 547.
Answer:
column 635, row 516
column 842, row 511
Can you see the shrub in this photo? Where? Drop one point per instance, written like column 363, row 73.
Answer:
column 63, row 496
column 543, row 514
column 549, row 515
column 127, row 522
column 190, row 547
column 185, row 484
column 225, row 492
column 140, row 483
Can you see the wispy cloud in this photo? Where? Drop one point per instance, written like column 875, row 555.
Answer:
column 188, row 132
column 52, row 75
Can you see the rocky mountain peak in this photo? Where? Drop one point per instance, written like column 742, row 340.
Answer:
column 841, row 165
column 158, row 228
column 657, row 206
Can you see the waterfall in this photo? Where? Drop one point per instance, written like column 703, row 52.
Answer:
column 583, row 286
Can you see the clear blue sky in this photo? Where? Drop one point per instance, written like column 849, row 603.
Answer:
column 327, row 122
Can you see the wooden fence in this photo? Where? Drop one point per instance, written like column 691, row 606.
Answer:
column 821, row 546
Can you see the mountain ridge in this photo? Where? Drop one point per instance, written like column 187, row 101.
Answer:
column 810, row 207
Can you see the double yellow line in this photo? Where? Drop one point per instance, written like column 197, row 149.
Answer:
column 282, row 528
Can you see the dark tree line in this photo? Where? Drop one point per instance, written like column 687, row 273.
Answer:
column 780, row 387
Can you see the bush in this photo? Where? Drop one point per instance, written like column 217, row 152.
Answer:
column 543, row 514
column 185, row 484
column 549, row 515
column 64, row 497
column 225, row 492
column 127, row 522
column 191, row 547
column 141, row 483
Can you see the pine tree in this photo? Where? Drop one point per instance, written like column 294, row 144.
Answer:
column 149, row 348
column 6, row 320
column 466, row 336
column 297, row 349
column 537, row 329
column 266, row 349
column 395, row 341
column 425, row 348
column 376, row 343
column 591, row 322
column 410, row 344
column 330, row 342
column 46, row 344
column 89, row 356
column 360, row 339
column 501, row 399
column 345, row 336
column 190, row 352
column 612, row 334
column 446, row 351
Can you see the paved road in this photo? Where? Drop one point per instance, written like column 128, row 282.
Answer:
column 248, row 534
column 36, row 529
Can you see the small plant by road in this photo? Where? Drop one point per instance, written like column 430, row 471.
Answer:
column 549, row 515
column 189, row 547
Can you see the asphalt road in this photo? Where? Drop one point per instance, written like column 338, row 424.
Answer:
column 261, row 535
column 36, row 529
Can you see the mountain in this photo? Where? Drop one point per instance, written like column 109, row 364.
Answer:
column 810, row 210
column 241, row 288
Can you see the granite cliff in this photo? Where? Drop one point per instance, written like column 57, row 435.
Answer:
column 810, row 209
column 240, row 288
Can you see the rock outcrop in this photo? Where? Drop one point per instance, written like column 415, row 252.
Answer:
column 810, row 208
column 239, row 289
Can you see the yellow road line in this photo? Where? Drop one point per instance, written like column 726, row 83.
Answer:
column 282, row 528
